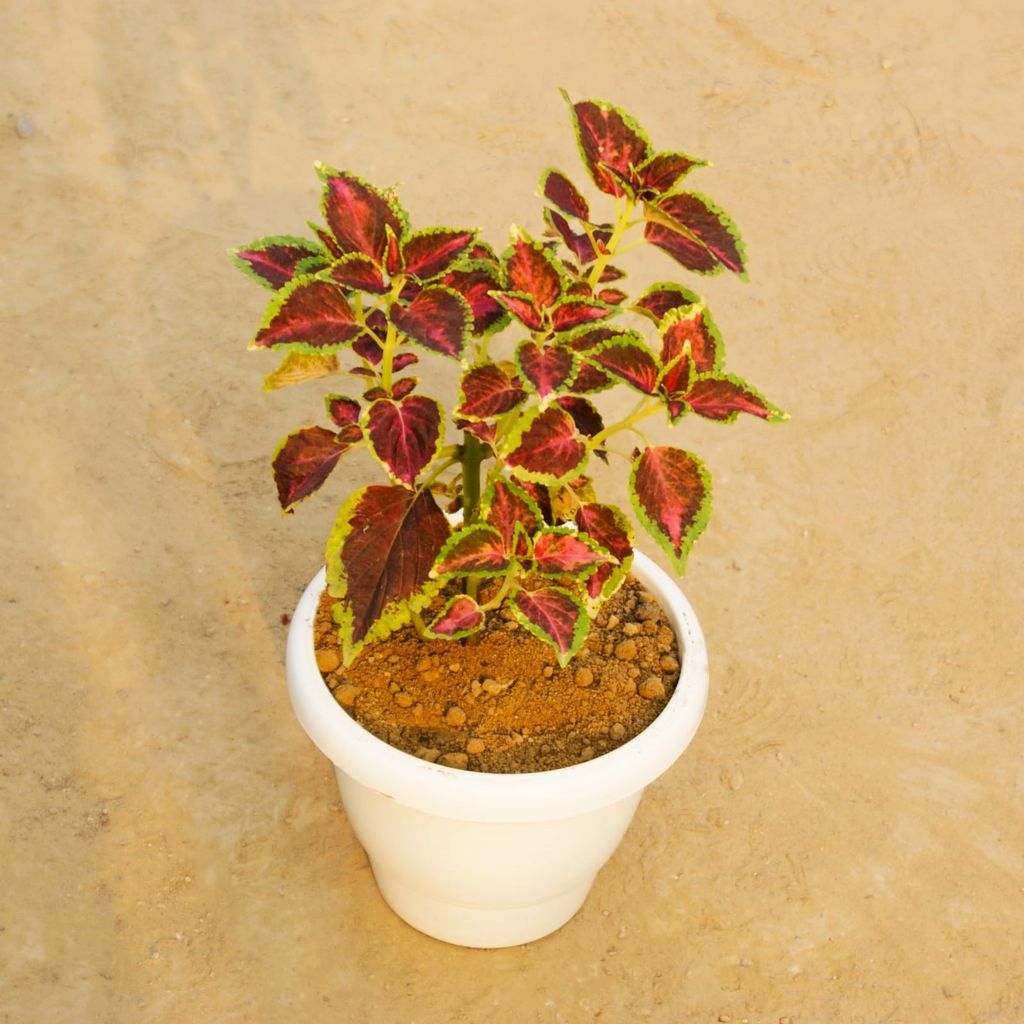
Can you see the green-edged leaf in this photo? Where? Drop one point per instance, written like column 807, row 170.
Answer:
column 546, row 448
column 522, row 307
column 379, row 558
column 487, row 391
column 724, row 396
column 272, row 261
column 403, row 387
column 475, row 550
column 532, row 270
column 558, row 190
column 690, row 330
column 460, row 617
column 304, row 460
column 695, row 233
column 629, row 359
column 612, row 296
column 426, row 254
column 609, row 528
column 554, row 615
column 438, row 318
column 357, row 213
column 662, row 298
column 563, row 552
column 547, row 368
column 661, row 172
column 405, row 435
column 609, row 140
column 342, row 410
column 507, row 506
column 584, row 414
column 297, row 367
column 578, row 242
column 475, row 282
column 309, row 316
column 574, row 312
column 355, row 270
column 671, row 493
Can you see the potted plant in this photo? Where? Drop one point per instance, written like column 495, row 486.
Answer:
column 487, row 516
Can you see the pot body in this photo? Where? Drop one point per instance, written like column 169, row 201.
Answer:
column 490, row 860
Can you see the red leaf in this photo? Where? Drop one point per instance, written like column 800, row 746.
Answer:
column 559, row 190
column 547, row 368
column 694, row 327
column 403, row 387
column 522, row 307
column 671, row 493
column 532, row 270
column 660, row 299
column 405, row 435
column 438, row 318
column 311, row 316
column 575, row 312
column 429, row 253
column 357, row 213
column 541, row 495
column 393, row 253
column 579, row 243
column 660, row 172
column 607, row 527
column 590, row 378
column 562, row 553
column 586, row 417
column 354, row 270
column 402, row 360
column 486, row 432
column 379, row 557
column 304, row 460
column 475, row 550
column 701, row 236
column 548, row 449
column 368, row 349
column 459, row 617
column 612, row 296
column 272, row 261
column 475, row 284
column 343, row 411
column 628, row 360
column 508, row 505
column 487, row 391
column 555, row 616
column 723, row 397
column 608, row 135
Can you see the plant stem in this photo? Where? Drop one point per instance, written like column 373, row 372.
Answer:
column 641, row 413
column 621, row 225
column 391, row 340
column 472, row 456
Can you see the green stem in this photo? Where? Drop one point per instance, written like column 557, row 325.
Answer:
column 644, row 410
column 621, row 226
column 472, row 456
column 391, row 340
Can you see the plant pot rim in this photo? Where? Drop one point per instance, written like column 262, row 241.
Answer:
column 490, row 796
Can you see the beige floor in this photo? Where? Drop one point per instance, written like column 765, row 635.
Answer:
column 844, row 840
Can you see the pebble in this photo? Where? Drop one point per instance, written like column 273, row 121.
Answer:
column 475, row 746
column 584, row 677
column 631, row 629
column 633, row 672
column 492, row 686
column 454, row 666
column 652, row 688
column 404, row 700
column 393, row 687
column 346, row 694
column 548, row 671
column 431, row 675
column 327, row 660
column 617, row 731
column 475, row 688
column 423, row 665
column 647, row 613
column 669, row 663
column 456, row 760
column 651, row 627
column 587, row 754
column 613, row 621
column 625, row 650
column 25, row 127
column 430, row 754
column 455, row 716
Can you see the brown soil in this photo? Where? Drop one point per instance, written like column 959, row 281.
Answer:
column 498, row 701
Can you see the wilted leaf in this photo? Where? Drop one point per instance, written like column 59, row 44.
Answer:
column 297, row 367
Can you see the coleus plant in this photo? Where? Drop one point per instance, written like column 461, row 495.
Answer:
column 366, row 295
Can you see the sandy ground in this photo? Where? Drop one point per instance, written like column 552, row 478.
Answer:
column 844, row 839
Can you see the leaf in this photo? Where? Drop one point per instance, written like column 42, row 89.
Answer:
column 402, row 360
column 342, row 411
column 608, row 138
column 609, row 528
column 508, row 506
column 671, row 493
column 475, row 284
column 547, row 368
column 662, row 171
column 724, row 396
column 304, row 460
column 629, row 359
column 272, row 261
column 555, row 616
column 578, row 242
column 357, row 213
column 695, row 233
column 308, row 315
column 460, row 617
column 405, row 435
column 297, row 367
column 438, row 319
column 368, row 348
column 475, row 550
column 532, row 270
column 574, row 312
column 354, row 270
column 584, row 414
column 403, row 387
column 612, row 296
column 589, row 378
column 431, row 252
column 547, row 448
column 486, row 432
column 379, row 558
column 487, row 391
column 562, row 552
column 661, row 298
column 561, row 192
column 522, row 307
column 692, row 327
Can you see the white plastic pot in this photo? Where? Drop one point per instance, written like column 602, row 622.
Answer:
column 482, row 859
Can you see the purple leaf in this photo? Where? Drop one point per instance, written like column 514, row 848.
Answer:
column 402, row 360
column 403, row 387
column 629, row 359
column 564, row 553
column 357, row 214
column 438, row 319
column 354, row 270
column 558, row 190
column 475, row 550
column 533, row 271
column 475, row 284
column 723, row 397
column 695, row 233
column 554, row 615
column 405, row 435
column 308, row 315
column 609, row 528
column 578, row 242
column 509, row 506
column 660, row 299
column 575, row 312
column 272, row 261
column 368, row 349
column 459, row 617
column 486, row 432
column 691, row 327
column 522, row 307
column 547, row 447
column 660, row 173
column 609, row 139
column 487, row 391
column 429, row 253
column 584, row 414
column 304, row 460
column 343, row 411
column 547, row 368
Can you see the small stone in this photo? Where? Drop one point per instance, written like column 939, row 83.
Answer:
column 724, row 1018
column 393, row 687
column 625, row 650
column 652, row 688
column 454, row 666
column 475, row 688
column 327, row 660
column 631, row 629
column 587, row 754
column 633, row 672
column 613, row 621
column 669, row 663
column 511, row 627
column 548, row 671
column 430, row 754
column 584, row 677
column 346, row 694
column 475, row 746
column 404, row 700
column 423, row 665
column 617, row 731
column 455, row 760
column 24, row 127
column 492, row 686
column 651, row 628
column 885, row 64
column 431, row 675
column 455, row 716
column 785, row 1020
column 648, row 613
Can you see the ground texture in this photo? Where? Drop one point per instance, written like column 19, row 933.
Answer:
column 843, row 841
